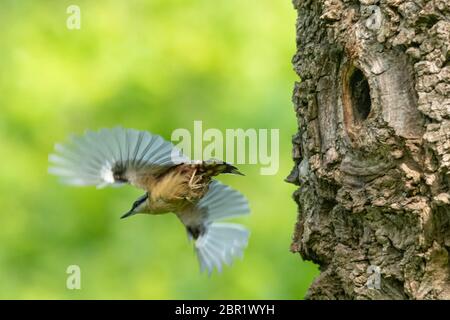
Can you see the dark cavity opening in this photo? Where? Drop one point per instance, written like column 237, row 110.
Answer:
column 360, row 95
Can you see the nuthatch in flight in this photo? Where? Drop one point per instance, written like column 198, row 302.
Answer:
column 172, row 183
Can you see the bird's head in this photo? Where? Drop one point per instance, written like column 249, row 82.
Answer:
column 139, row 206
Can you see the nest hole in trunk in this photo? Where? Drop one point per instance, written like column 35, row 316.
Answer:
column 359, row 95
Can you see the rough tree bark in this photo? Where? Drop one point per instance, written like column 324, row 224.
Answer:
column 372, row 152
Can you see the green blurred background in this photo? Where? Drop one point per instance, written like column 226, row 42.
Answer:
column 147, row 64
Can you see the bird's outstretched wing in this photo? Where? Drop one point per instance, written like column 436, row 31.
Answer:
column 217, row 243
column 113, row 156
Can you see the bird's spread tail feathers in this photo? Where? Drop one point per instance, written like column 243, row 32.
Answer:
column 214, row 167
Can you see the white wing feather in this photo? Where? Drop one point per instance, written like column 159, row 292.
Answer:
column 219, row 242
column 96, row 157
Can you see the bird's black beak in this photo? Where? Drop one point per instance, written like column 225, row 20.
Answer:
column 135, row 207
column 129, row 213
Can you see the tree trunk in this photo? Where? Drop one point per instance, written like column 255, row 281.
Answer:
column 372, row 152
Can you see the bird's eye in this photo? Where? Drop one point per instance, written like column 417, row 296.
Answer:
column 136, row 204
column 140, row 201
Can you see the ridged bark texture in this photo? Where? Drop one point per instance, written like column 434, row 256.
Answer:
column 372, row 152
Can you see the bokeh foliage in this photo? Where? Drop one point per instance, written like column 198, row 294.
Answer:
column 148, row 64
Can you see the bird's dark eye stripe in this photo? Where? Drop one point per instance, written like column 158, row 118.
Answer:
column 140, row 200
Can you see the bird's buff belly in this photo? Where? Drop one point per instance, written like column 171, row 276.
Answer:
column 161, row 206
